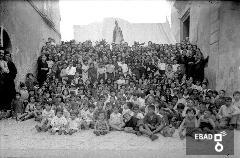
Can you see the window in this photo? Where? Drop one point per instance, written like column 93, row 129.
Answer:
column 185, row 25
column 1, row 37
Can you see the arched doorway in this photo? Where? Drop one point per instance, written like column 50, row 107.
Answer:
column 5, row 42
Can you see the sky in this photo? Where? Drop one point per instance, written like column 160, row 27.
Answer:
column 83, row 12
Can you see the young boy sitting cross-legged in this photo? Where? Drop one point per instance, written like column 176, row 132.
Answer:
column 152, row 123
column 47, row 116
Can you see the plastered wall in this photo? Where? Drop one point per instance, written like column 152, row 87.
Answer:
column 28, row 33
column 214, row 27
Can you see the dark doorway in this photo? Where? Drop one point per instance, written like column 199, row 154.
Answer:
column 5, row 41
column 186, row 27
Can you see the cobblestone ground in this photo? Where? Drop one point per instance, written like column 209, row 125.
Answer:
column 20, row 139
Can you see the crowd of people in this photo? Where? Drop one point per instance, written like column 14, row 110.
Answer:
column 144, row 89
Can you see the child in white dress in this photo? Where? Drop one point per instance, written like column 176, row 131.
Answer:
column 116, row 120
column 73, row 123
column 58, row 122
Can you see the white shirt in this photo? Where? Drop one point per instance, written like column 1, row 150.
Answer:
column 141, row 102
column 84, row 114
column 134, row 101
column 109, row 96
column 58, row 122
column 50, row 63
column 121, row 81
column 73, row 124
column 124, row 68
column 76, row 80
column 140, row 116
column 89, row 116
column 119, row 63
column 85, row 68
column 63, row 73
column 162, row 66
column 30, row 107
column 110, row 68
column 199, row 88
column 101, row 70
column 236, row 104
column 115, row 118
column 48, row 114
column 182, row 100
column 24, row 94
column 3, row 65
column 71, row 70
column 66, row 114
column 174, row 67
column 127, row 111
column 224, row 111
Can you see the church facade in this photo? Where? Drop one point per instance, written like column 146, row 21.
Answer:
column 214, row 27
column 25, row 27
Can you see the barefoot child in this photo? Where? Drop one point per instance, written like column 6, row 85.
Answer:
column 101, row 126
column 73, row 123
column 152, row 123
column 137, row 113
column 131, row 124
column 47, row 116
column 190, row 122
column 58, row 122
column 89, row 114
column 38, row 112
column 17, row 105
column 116, row 120
column 206, row 123
column 29, row 110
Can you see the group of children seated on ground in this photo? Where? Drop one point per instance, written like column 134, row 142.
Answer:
column 86, row 87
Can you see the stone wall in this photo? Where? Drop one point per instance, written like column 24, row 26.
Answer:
column 28, row 32
column 228, row 76
column 214, row 27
